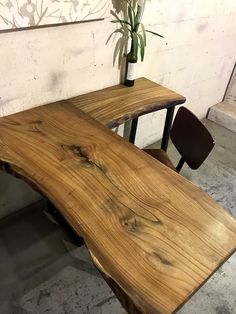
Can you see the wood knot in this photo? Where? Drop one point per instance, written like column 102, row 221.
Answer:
column 85, row 158
column 161, row 259
column 132, row 224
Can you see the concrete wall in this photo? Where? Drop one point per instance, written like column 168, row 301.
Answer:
column 230, row 96
column 196, row 59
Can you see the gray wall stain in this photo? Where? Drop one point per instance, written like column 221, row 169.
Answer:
column 77, row 52
column 202, row 27
column 181, row 15
column 56, row 80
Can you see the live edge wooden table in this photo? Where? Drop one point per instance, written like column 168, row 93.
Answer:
column 154, row 236
column 115, row 105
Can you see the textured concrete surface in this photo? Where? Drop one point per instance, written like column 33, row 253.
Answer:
column 224, row 114
column 41, row 271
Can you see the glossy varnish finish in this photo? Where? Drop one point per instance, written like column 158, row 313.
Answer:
column 154, row 236
column 115, row 105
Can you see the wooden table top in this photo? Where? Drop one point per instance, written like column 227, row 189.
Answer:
column 154, row 236
column 115, row 105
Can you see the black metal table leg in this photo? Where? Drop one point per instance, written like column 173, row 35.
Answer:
column 133, row 130
column 168, row 123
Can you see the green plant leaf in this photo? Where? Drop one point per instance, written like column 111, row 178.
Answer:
column 134, row 44
column 131, row 18
column 151, row 32
column 121, row 22
column 144, row 34
column 132, row 6
column 137, row 19
column 142, row 46
column 118, row 20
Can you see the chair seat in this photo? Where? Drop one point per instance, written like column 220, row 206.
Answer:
column 162, row 156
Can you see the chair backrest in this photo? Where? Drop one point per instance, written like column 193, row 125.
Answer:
column 191, row 138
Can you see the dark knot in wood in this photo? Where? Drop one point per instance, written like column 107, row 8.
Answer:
column 85, row 157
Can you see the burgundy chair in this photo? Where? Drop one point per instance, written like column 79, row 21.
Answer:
column 191, row 138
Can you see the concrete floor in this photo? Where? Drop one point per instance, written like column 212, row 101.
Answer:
column 41, row 271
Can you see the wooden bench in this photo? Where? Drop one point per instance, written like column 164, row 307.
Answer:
column 155, row 237
column 115, row 105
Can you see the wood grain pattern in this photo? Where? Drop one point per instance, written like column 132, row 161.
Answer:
column 155, row 237
column 115, row 105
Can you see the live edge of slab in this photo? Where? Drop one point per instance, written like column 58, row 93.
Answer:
column 115, row 105
column 155, row 237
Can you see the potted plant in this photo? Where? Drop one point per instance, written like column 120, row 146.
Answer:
column 133, row 30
